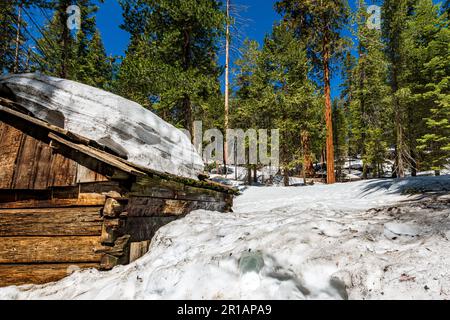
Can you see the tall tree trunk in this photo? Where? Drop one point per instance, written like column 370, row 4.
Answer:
column 64, row 40
column 188, row 119
column 19, row 26
column 308, row 167
column 331, row 177
column 187, row 104
column 400, row 138
column 413, row 164
column 304, row 175
column 286, row 177
column 227, row 84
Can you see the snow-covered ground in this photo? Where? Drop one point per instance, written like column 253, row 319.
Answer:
column 317, row 242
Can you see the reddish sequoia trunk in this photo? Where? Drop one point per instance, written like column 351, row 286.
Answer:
column 331, row 177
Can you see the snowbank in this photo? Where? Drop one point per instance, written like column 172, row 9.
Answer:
column 120, row 124
column 317, row 242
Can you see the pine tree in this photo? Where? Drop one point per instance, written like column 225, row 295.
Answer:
column 340, row 135
column 95, row 68
column 369, row 109
column 171, row 65
column 429, row 80
column 395, row 14
column 320, row 24
column 273, row 91
column 14, row 34
column 78, row 55
column 8, row 31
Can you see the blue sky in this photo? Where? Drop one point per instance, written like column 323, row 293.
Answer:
column 257, row 18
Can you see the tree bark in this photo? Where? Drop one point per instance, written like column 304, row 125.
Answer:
column 65, row 38
column 308, row 166
column 187, row 105
column 227, row 85
column 331, row 177
column 400, row 142
column 286, row 177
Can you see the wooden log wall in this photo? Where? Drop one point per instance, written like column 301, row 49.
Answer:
column 131, row 222
column 65, row 206
column 40, row 245
column 94, row 225
column 30, row 164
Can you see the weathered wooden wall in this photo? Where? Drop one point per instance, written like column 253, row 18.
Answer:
column 39, row 245
column 27, row 163
column 66, row 205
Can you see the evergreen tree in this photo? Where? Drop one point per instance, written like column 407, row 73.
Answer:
column 78, row 55
column 13, row 34
column 429, row 81
column 171, row 65
column 319, row 23
column 94, row 67
column 395, row 14
column 340, row 135
column 273, row 90
column 369, row 109
column 8, row 32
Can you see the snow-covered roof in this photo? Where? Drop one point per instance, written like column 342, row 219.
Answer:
column 110, row 120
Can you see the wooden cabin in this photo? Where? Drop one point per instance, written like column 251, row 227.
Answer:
column 67, row 202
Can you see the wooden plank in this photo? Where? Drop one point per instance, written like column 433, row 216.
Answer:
column 83, row 201
column 33, row 165
column 9, row 146
column 85, row 175
column 49, row 249
column 20, row 274
column 99, row 155
column 42, row 167
column 51, row 222
column 155, row 207
column 165, row 189
column 138, row 250
column 64, row 171
column 23, row 177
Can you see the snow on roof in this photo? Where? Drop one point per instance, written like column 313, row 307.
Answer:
column 120, row 124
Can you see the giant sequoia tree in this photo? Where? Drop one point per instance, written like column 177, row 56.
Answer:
column 171, row 65
column 319, row 23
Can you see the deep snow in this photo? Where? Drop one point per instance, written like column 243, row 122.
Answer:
column 120, row 124
column 317, row 242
